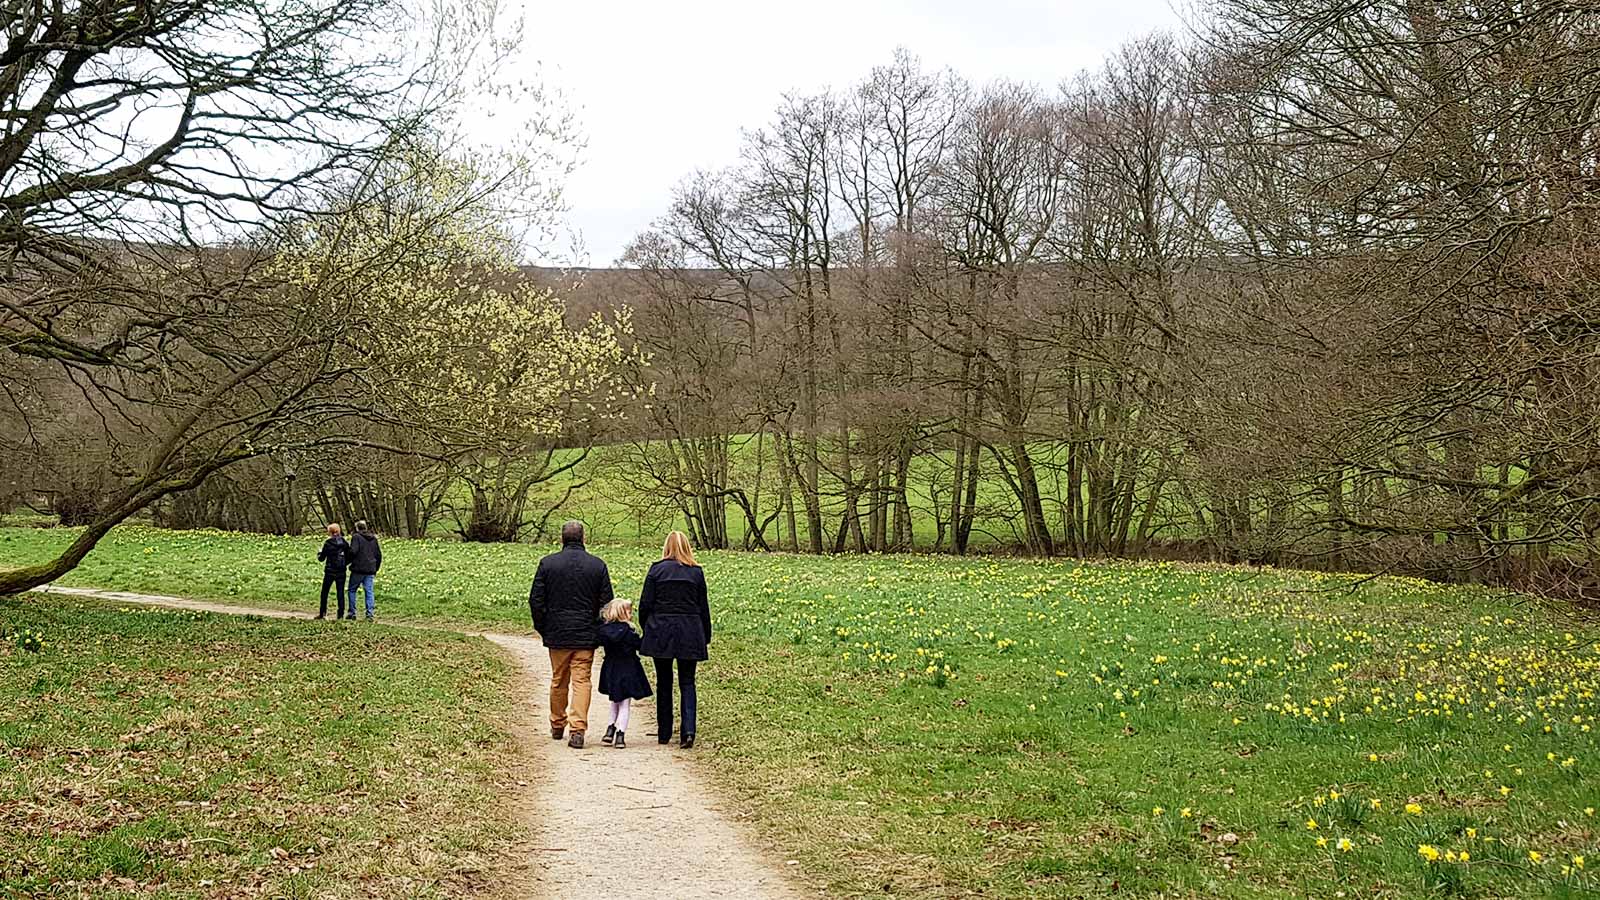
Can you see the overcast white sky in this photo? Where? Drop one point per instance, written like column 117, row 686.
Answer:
column 663, row 88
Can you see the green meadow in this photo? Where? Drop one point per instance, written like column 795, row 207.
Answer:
column 931, row 726
column 147, row 752
column 600, row 485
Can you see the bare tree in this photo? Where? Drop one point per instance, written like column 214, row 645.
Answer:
column 1416, row 171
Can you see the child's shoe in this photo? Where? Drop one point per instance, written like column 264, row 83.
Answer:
column 620, row 743
column 611, row 734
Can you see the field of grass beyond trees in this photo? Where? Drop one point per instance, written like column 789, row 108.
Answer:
column 899, row 725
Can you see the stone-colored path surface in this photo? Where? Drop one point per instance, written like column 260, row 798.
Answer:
column 609, row 823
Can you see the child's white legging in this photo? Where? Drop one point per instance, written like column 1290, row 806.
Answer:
column 619, row 713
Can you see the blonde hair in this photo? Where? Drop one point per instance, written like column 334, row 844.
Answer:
column 619, row 610
column 334, row 529
column 677, row 547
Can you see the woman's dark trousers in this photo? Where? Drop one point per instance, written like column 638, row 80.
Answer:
column 664, row 697
column 329, row 579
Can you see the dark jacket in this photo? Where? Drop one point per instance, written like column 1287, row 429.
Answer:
column 366, row 557
column 622, row 675
column 568, row 591
column 335, row 554
column 674, row 612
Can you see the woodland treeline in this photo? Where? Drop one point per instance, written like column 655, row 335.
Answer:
column 1310, row 283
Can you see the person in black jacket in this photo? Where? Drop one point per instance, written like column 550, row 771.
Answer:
column 676, row 617
column 366, row 558
column 568, row 592
column 334, row 555
column 621, row 676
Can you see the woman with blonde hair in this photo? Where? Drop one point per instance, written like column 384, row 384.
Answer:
column 676, row 617
column 335, row 557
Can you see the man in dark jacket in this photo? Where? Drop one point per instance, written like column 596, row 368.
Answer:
column 334, row 556
column 366, row 558
column 568, row 591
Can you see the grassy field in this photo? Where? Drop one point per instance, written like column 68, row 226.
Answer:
column 923, row 726
column 154, row 753
column 600, row 480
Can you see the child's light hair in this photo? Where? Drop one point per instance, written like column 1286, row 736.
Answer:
column 620, row 610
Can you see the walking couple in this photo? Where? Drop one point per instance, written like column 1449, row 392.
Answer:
column 574, row 611
column 362, row 555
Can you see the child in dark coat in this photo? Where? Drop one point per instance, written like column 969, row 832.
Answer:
column 621, row 675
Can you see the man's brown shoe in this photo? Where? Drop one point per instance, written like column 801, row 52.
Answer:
column 558, row 733
column 576, row 742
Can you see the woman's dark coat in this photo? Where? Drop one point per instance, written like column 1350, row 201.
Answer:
column 366, row 557
column 568, row 590
column 335, row 553
column 622, row 675
column 674, row 612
